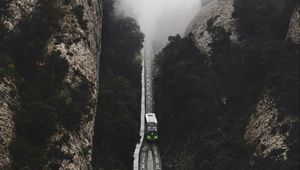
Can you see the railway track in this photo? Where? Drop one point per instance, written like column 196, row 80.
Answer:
column 147, row 156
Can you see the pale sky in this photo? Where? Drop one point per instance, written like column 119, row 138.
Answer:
column 160, row 18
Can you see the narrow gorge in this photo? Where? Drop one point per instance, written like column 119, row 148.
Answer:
column 225, row 90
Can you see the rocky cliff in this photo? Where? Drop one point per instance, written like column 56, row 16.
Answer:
column 270, row 126
column 269, row 130
column 214, row 13
column 8, row 106
column 9, row 102
column 294, row 29
column 77, row 42
column 16, row 11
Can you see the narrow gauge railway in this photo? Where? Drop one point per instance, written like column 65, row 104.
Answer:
column 147, row 152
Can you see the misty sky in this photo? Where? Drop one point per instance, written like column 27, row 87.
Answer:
column 160, row 18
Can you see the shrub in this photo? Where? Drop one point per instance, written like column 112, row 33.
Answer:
column 79, row 13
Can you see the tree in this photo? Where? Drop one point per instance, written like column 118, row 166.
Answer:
column 117, row 120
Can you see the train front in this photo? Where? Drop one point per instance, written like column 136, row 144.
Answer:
column 151, row 132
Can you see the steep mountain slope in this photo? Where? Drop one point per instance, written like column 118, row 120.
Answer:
column 271, row 130
column 294, row 29
column 8, row 104
column 239, row 93
column 53, row 48
column 11, row 13
column 214, row 13
column 78, row 43
column 220, row 14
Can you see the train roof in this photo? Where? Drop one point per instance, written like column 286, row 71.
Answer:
column 150, row 117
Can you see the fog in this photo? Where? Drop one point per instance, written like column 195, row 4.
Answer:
column 160, row 18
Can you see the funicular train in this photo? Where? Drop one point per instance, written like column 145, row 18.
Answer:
column 151, row 132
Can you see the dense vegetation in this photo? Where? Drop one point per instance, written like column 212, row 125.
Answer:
column 38, row 77
column 42, row 111
column 216, row 94
column 117, row 120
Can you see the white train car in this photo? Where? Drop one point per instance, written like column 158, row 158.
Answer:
column 151, row 131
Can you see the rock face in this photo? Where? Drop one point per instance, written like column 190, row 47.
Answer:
column 8, row 106
column 269, row 130
column 219, row 13
column 16, row 11
column 206, row 2
column 9, row 98
column 78, row 42
column 269, row 126
column 294, row 29
column 79, row 45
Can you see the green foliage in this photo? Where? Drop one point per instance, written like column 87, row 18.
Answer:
column 3, row 13
column 184, row 64
column 269, row 18
column 117, row 120
column 116, row 123
column 3, row 6
column 188, row 89
column 216, row 94
column 41, row 110
column 35, row 31
column 36, row 121
column 40, row 115
column 79, row 13
column 274, row 60
column 56, row 67
column 7, row 66
column 79, row 106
